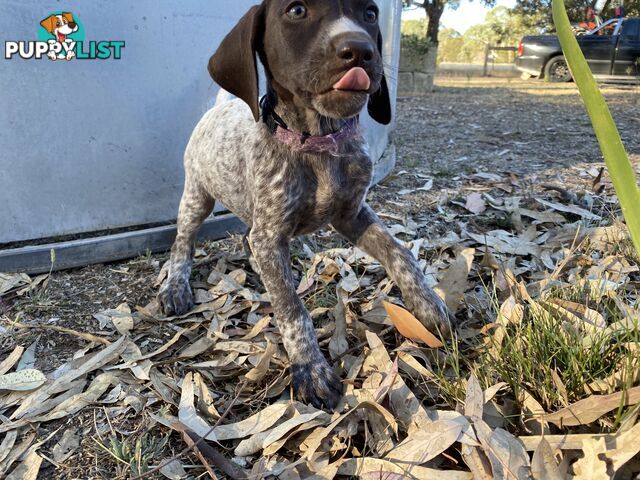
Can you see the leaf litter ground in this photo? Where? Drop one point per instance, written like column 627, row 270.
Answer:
column 499, row 191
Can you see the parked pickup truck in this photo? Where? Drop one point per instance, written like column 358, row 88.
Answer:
column 612, row 51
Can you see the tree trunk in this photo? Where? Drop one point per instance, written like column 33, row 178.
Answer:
column 434, row 9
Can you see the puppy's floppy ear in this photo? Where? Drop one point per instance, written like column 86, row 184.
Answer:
column 68, row 16
column 49, row 23
column 234, row 65
column 379, row 102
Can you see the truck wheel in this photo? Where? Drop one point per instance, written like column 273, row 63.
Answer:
column 557, row 70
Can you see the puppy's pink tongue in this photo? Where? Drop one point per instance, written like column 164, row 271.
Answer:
column 355, row 79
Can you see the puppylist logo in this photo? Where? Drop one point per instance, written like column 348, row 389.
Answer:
column 61, row 36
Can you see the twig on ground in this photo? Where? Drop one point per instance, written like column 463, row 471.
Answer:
column 197, row 442
column 85, row 336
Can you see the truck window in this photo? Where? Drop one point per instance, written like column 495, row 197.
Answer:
column 631, row 28
column 608, row 28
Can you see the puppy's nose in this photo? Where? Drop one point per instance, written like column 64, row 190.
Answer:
column 72, row 25
column 355, row 53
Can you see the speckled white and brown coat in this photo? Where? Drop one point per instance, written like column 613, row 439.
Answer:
column 281, row 193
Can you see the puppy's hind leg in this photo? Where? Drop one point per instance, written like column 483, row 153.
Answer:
column 175, row 295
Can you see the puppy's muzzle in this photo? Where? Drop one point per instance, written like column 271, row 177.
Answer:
column 355, row 53
column 357, row 60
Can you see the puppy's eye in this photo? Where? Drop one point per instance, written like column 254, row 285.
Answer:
column 297, row 11
column 371, row 15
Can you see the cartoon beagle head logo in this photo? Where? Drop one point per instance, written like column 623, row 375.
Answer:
column 62, row 31
column 60, row 25
column 61, row 36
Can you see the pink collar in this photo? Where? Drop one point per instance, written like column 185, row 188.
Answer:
column 331, row 143
column 303, row 142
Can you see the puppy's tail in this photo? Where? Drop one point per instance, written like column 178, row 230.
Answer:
column 223, row 97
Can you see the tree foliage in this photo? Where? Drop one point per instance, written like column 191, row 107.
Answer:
column 501, row 27
column 540, row 10
column 434, row 10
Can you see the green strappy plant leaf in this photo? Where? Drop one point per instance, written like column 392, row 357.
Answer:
column 618, row 164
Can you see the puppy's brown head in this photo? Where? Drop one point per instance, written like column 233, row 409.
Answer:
column 324, row 55
column 63, row 22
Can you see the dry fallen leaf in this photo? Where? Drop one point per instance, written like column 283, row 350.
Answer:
column 506, row 243
column 258, row 372
column 423, row 445
column 560, row 387
column 511, row 313
column 508, row 457
column 75, row 370
column 173, row 470
column 8, row 363
column 263, row 440
column 187, row 413
column 570, row 209
column 307, row 420
column 257, row 328
column 404, row 404
column 477, row 462
column 591, row 466
column 454, row 282
column 475, row 203
column 627, row 447
column 26, row 442
column 533, row 412
column 338, row 343
column 410, row 326
column 543, row 463
column 259, row 422
column 588, row 410
column 68, row 444
column 122, row 319
column 23, row 380
column 7, row 444
column 29, row 468
column 9, row 281
column 587, row 314
column 322, row 434
column 28, row 359
column 474, row 402
column 77, row 402
column 376, row 468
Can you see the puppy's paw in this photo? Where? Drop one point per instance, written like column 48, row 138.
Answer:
column 175, row 297
column 315, row 383
column 432, row 312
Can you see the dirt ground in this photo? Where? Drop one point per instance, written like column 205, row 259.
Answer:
column 536, row 131
column 493, row 136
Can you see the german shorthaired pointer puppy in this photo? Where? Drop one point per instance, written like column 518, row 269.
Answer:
column 295, row 162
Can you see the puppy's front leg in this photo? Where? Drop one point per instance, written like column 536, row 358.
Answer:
column 175, row 295
column 368, row 232
column 313, row 379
